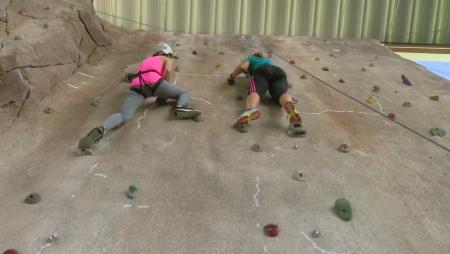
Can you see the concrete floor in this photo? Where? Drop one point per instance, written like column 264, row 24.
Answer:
column 201, row 188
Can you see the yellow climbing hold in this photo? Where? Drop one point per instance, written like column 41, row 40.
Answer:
column 370, row 100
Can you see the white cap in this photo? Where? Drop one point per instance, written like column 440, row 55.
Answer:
column 164, row 47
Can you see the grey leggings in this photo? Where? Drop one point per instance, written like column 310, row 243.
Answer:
column 133, row 100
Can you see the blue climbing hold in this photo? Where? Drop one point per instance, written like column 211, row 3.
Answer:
column 406, row 80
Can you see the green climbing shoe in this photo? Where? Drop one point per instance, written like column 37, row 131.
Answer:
column 296, row 130
column 87, row 142
column 343, row 209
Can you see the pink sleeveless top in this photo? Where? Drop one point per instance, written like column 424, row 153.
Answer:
column 152, row 63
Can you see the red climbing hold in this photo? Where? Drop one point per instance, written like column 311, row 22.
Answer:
column 392, row 116
column 271, row 230
column 23, row 12
column 269, row 55
column 11, row 251
column 292, row 62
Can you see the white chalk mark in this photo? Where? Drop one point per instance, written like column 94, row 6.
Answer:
column 271, row 155
column 135, row 206
column 257, row 225
column 101, row 175
column 322, row 251
column 203, row 75
column 76, row 87
column 73, row 196
column 91, row 169
column 265, row 248
column 87, row 75
column 198, row 99
column 339, row 111
column 176, row 78
column 142, row 117
column 43, row 247
column 258, row 190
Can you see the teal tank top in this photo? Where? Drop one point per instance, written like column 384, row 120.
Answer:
column 256, row 62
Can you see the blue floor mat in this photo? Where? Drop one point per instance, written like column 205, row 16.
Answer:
column 440, row 68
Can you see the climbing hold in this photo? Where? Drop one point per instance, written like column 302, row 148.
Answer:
column 243, row 49
column 221, row 53
column 23, row 12
column 256, row 148
column 317, row 59
column 371, row 65
column 198, row 118
column 392, row 116
column 341, row 81
column 337, row 50
column 292, row 62
column 407, row 104
column 325, row 69
column 47, row 8
column 269, row 55
column 194, row 52
column 376, row 57
column 331, row 55
column 96, row 102
column 48, row 110
column 243, row 128
column 315, row 233
column 303, row 76
column 363, row 69
column 295, row 147
column 395, row 91
column 343, row 148
column 343, row 209
column 435, row 97
column 271, row 230
column 18, row 37
column 406, row 80
column 289, row 85
column 438, row 132
column 132, row 191
column 240, row 97
column 230, row 81
column 11, row 251
column 52, row 238
column 218, row 66
column 370, row 100
column 177, row 44
column 376, row 89
column 177, row 69
column 33, row 198
column 45, row 25
column 299, row 176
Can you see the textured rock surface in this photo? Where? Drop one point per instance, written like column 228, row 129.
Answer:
column 42, row 43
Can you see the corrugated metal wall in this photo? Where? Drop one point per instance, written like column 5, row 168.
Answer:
column 399, row 21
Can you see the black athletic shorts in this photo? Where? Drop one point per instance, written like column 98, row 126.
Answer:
column 268, row 78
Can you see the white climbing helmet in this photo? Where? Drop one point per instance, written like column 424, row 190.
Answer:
column 164, row 47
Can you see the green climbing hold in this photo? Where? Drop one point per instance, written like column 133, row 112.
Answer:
column 343, row 209
column 132, row 191
column 438, row 132
column 243, row 128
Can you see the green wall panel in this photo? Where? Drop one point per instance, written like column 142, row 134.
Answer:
column 396, row 21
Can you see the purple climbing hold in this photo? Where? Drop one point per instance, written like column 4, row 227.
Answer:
column 406, row 80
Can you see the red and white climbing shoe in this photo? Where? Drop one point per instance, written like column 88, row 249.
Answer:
column 246, row 117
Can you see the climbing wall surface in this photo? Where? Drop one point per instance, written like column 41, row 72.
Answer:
column 201, row 187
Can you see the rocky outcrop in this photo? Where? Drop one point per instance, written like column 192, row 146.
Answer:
column 41, row 43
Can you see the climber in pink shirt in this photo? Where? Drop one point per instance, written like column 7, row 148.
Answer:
column 151, row 80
